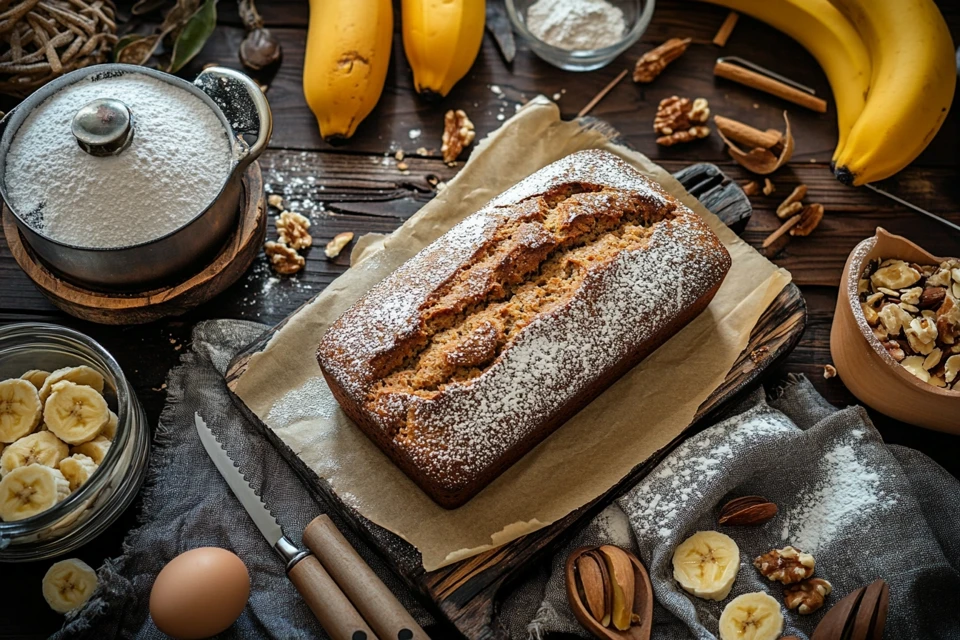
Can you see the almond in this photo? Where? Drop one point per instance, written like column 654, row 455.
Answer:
column 932, row 297
column 747, row 511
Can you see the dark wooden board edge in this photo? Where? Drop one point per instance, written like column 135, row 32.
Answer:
column 465, row 592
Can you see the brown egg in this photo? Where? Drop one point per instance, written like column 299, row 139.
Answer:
column 199, row 593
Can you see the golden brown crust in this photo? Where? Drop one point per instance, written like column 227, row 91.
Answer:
column 485, row 342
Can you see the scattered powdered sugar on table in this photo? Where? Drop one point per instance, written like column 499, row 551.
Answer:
column 655, row 503
column 849, row 491
column 576, row 25
column 177, row 163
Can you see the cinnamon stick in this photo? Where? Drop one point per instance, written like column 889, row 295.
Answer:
column 747, row 135
column 763, row 83
column 723, row 34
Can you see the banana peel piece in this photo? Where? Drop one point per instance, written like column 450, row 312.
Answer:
column 762, row 161
column 623, row 580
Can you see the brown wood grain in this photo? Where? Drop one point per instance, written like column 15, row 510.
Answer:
column 630, row 106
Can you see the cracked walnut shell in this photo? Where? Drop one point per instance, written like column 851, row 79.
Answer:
column 293, row 230
column 807, row 596
column 458, row 133
column 283, row 259
column 787, row 565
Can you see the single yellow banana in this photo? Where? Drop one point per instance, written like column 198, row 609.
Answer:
column 441, row 39
column 348, row 53
column 831, row 38
column 914, row 79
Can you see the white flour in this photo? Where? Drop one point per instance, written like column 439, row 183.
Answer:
column 576, row 24
column 178, row 161
column 849, row 491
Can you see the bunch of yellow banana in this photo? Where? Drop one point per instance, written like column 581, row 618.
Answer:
column 348, row 52
column 890, row 64
column 441, row 39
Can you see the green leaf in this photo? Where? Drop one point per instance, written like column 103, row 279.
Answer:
column 194, row 35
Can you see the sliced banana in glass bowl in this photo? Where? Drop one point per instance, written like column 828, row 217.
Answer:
column 74, row 441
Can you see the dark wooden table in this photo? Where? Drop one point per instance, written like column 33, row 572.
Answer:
column 358, row 187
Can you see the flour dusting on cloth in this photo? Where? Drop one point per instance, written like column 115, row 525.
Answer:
column 848, row 495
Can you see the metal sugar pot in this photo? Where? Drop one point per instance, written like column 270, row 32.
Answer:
column 105, row 128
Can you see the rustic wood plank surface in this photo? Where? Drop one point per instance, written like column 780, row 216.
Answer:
column 357, row 187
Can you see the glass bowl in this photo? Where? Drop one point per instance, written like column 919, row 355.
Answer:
column 636, row 15
column 99, row 502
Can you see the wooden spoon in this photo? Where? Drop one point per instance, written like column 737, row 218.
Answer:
column 838, row 622
column 642, row 601
column 859, row 616
column 872, row 614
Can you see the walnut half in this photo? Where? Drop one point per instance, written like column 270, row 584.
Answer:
column 294, row 230
column 680, row 120
column 807, row 596
column 283, row 259
column 787, row 565
column 458, row 133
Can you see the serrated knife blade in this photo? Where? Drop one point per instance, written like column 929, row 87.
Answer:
column 254, row 504
column 329, row 604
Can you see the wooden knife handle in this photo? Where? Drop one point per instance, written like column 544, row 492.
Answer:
column 327, row 601
column 371, row 597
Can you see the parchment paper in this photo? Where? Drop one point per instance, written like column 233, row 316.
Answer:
column 634, row 418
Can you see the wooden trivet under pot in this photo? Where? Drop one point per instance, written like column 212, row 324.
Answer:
column 139, row 308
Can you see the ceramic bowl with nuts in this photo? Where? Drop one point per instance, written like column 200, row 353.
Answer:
column 895, row 339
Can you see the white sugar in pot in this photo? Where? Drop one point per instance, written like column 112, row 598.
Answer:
column 123, row 178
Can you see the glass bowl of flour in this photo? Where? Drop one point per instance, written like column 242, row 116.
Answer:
column 580, row 35
column 124, row 178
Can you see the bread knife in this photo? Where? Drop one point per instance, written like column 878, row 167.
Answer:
column 332, row 608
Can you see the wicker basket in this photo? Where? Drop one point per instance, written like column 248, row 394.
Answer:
column 44, row 39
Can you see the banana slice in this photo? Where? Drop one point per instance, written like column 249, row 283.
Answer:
column 37, row 448
column 77, row 469
column 110, row 429
column 96, row 449
column 706, row 564
column 68, row 585
column 752, row 616
column 82, row 375
column 75, row 413
column 36, row 377
column 27, row 491
column 20, row 409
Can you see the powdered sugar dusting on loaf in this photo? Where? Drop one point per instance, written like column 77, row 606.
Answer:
column 468, row 427
column 389, row 311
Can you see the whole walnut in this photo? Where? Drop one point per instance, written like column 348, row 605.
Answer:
column 787, row 565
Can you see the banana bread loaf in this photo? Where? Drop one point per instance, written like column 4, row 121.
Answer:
column 490, row 338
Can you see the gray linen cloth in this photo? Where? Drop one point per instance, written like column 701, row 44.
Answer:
column 863, row 509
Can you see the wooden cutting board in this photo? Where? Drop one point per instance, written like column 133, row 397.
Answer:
column 465, row 592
